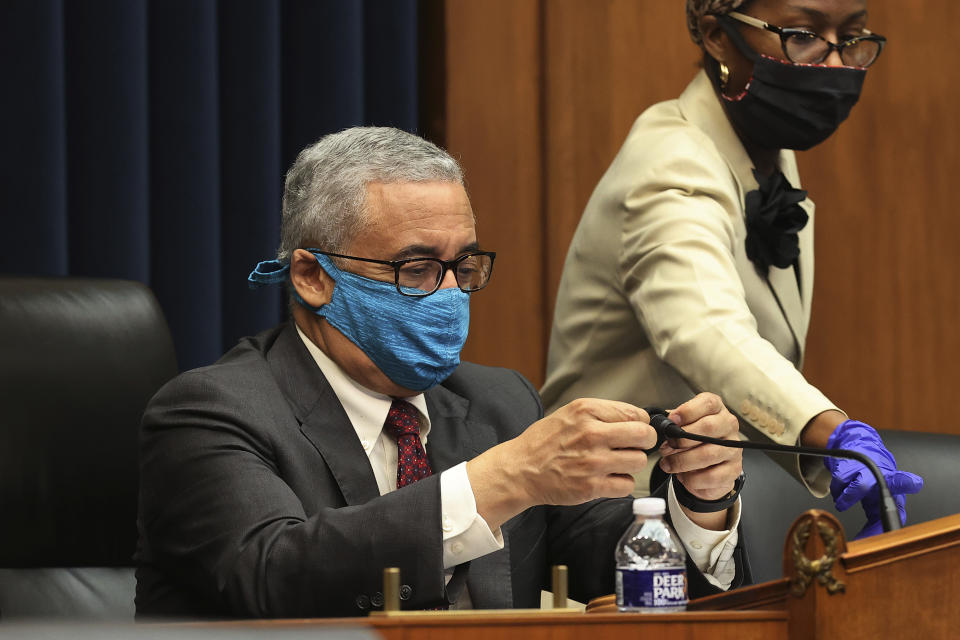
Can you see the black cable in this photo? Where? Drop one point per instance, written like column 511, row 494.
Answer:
column 889, row 516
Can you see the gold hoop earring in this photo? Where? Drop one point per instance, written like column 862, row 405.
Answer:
column 724, row 75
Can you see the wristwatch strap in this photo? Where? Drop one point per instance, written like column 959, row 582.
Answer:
column 698, row 505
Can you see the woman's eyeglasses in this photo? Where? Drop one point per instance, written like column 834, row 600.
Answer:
column 805, row 47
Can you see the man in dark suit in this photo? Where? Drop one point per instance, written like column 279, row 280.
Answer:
column 281, row 480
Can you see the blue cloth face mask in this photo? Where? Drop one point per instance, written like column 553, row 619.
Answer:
column 416, row 342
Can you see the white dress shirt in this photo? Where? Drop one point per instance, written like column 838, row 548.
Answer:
column 466, row 535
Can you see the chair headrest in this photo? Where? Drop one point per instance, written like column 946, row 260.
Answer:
column 80, row 360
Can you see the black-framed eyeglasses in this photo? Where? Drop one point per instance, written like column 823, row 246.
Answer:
column 806, row 47
column 419, row 277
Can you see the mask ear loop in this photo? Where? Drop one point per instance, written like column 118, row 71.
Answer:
column 722, row 70
column 729, row 28
column 269, row 272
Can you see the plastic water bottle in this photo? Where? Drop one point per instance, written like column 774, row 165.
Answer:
column 651, row 563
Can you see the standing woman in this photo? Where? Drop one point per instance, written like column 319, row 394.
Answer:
column 692, row 267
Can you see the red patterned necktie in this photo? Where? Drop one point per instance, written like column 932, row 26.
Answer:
column 403, row 423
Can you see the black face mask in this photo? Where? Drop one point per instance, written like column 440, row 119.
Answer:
column 787, row 105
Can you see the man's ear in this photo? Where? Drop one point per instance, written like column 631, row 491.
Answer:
column 715, row 41
column 310, row 281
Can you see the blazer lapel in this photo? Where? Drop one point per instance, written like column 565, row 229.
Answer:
column 322, row 419
column 785, row 288
column 699, row 105
column 455, row 439
column 449, row 443
column 795, row 301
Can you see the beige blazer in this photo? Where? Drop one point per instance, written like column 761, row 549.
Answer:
column 658, row 300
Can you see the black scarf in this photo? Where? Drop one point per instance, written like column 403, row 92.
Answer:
column 774, row 217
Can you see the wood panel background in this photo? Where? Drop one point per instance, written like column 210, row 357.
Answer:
column 539, row 95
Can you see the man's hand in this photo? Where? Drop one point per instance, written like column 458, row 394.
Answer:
column 708, row 471
column 587, row 449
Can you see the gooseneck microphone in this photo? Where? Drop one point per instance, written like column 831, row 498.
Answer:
column 889, row 517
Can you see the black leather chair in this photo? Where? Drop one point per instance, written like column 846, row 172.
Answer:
column 772, row 499
column 79, row 359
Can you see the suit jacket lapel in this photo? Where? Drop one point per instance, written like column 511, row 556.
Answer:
column 322, row 418
column 795, row 301
column 450, row 442
column 783, row 286
column 783, row 282
column 699, row 105
column 454, row 439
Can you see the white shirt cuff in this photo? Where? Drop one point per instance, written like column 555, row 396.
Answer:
column 466, row 535
column 711, row 551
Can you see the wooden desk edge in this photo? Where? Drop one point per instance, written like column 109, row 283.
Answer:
column 518, row 617
column 918, row 539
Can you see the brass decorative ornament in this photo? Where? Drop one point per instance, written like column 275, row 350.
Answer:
column 820, row 568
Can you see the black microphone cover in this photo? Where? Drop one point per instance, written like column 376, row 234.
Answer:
column 659, row 421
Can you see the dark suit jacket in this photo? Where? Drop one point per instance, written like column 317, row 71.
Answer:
column 257, row 499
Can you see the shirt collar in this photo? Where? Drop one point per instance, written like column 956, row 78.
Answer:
column 367, row 409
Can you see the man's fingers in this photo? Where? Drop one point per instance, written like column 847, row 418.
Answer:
column 629, row 435
column 703, row 415
column 701, row 457
column 700, row 406
column 713, row 482
column 718, row 425
column 604, row 411
column 603, row 463
column 625, row 462
column 608, row 423
column 615, row 485
column 584, row 450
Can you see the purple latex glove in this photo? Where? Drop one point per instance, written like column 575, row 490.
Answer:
column 852, row 482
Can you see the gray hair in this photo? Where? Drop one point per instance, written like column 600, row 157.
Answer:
column 325, row 192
